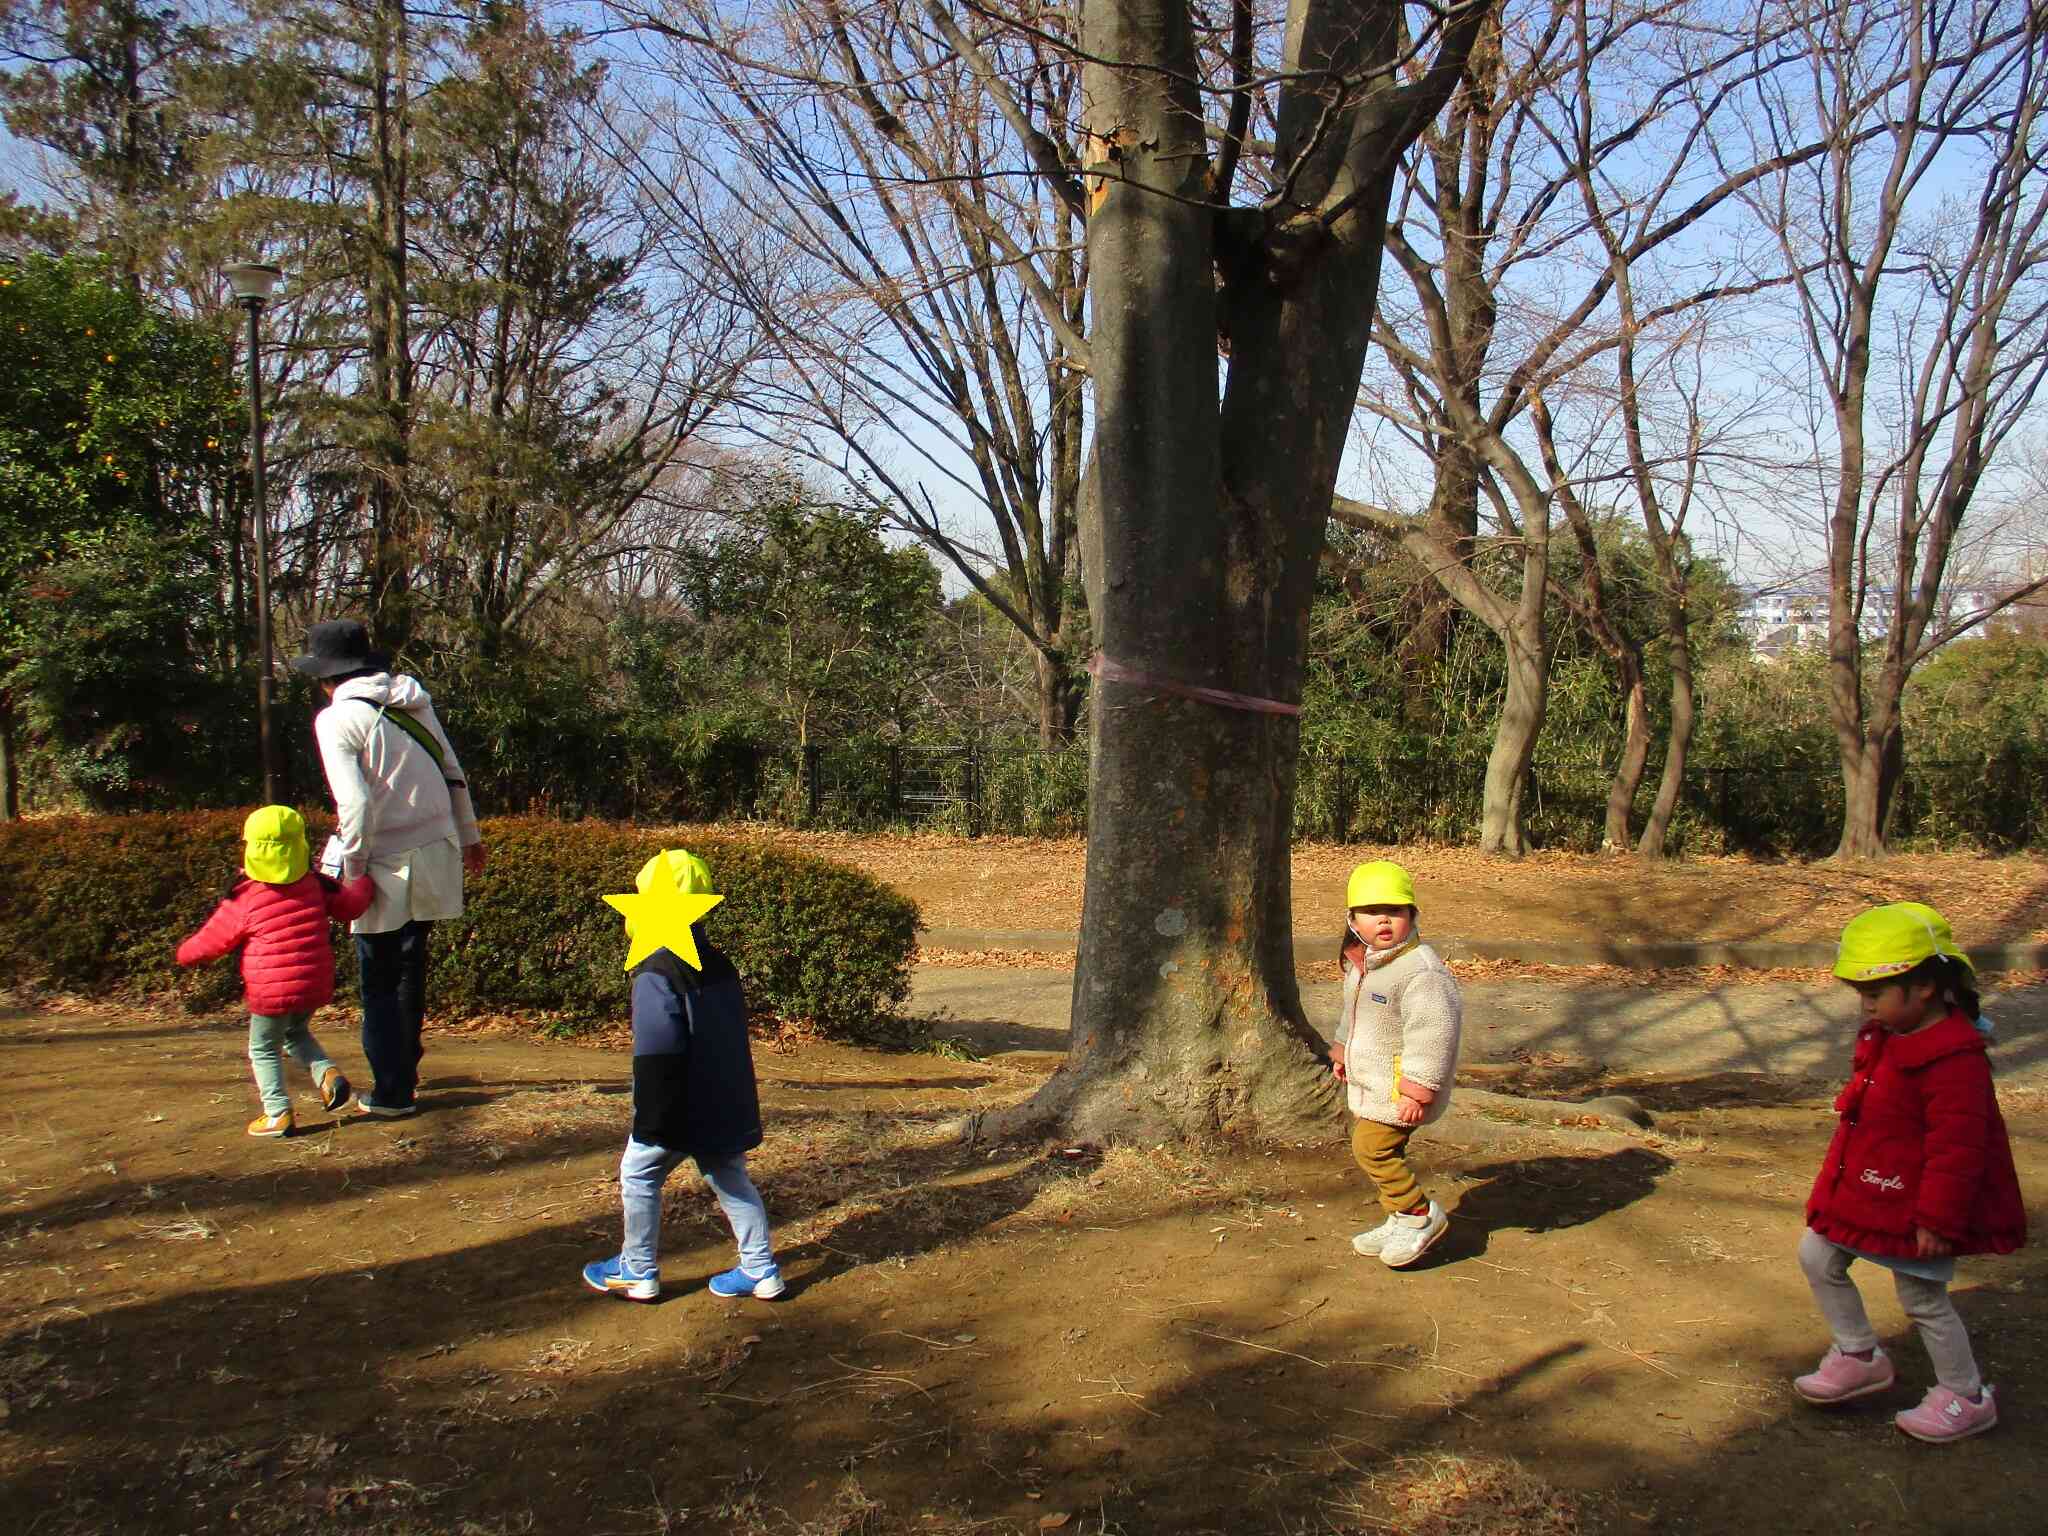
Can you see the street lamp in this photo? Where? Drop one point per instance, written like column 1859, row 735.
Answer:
column 252, row 282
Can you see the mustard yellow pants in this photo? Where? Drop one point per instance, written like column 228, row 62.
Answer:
column 1382, row 1151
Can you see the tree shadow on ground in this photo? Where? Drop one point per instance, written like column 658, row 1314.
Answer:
column 1543, row 1194
column 900, row 1408
column 378, row 1326
column 1146, row 1372
column 1577, row 1081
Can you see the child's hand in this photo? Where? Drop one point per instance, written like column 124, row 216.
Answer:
column 1415, row 1100
column 1931, row 1245
column 1337, row 1063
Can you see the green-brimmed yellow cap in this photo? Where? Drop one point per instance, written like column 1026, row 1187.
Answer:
column 274, row 850
column 1891, row 940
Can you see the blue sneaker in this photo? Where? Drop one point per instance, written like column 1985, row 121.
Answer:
column 610, row 1277
column 737, row 1282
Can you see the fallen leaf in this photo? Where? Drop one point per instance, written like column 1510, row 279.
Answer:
column 1054, row 1521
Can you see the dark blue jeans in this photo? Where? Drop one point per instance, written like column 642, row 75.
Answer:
column 394, row 976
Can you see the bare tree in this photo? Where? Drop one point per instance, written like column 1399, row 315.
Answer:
column 1921, row 296
column 923, row 286
column 1666, row 481
column 569, row 352
column 1536, row 234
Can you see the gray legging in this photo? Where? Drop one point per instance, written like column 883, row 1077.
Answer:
column 1924, row 1301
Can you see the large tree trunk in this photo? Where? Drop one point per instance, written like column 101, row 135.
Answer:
column 1514, row 748
column 1635, row 752
column 1658, row 828
column 1862, row 808
column 1200, row 538
column 1452, row 520
column 1060, row 692
column 1870, row 783
column 1869, row 733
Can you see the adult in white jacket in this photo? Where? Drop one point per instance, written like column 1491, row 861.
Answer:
column 403, row 815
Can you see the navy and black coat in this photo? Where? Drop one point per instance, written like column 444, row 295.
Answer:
column 693, row 1073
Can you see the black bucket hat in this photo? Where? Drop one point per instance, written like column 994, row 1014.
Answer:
column 337, row 646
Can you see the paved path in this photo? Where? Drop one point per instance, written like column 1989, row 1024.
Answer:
column 1759, row 1027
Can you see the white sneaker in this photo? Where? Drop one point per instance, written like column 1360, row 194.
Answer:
column 1413, row 1236
column 1371, row 1243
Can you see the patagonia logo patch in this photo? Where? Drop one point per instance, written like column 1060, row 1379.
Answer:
column 1379, row 997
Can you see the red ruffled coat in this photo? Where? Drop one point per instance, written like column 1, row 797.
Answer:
column 1921, row 1144
column 287, row 960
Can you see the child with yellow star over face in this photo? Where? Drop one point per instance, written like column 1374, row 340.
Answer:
column 693, row 1083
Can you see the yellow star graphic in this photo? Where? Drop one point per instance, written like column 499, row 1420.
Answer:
column 660, row 918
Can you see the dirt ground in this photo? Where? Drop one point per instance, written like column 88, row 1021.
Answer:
column 1028, row 883
column 380, row 1327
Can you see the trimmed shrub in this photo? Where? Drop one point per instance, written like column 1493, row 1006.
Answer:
column 98, row 905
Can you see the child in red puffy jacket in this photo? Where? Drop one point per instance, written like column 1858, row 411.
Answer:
column 1919, row 1170
column 278, row 918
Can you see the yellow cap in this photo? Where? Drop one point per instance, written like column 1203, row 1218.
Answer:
column 1381, row 883
column 1891, row 940
column 275, row 845
column 678, row 867
column 674, row 893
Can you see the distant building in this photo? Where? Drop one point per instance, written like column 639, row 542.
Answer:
column 1777, row 620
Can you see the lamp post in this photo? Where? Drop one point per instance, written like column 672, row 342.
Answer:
column 252, row 283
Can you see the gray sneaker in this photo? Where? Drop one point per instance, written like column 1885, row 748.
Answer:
column 1413, row 1236
column 1371, row 1243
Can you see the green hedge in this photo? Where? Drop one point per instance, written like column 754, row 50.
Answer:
column 98, row 905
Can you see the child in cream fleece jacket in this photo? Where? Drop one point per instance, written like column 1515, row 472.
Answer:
column 1396, row 1052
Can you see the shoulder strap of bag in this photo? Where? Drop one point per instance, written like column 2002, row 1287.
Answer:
column 424, row 737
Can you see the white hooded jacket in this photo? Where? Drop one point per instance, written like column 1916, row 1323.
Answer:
column 399, row 815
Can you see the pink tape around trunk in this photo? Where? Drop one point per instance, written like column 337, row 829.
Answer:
column 1105, row 670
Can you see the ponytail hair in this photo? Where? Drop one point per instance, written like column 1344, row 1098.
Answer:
column 1952, row 979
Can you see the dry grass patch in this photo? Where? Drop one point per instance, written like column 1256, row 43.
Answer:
column 1443, row 1495
column 1131, row 1183
column 535, row 1114
column 185, row 1229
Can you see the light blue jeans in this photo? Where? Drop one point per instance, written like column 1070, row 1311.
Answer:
column 642, row 1172
column 271, row 1038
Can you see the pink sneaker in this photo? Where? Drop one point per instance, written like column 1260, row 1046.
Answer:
column 1944, row 1416
column 1841, row 1378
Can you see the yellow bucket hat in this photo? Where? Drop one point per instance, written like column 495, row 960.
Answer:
column 674, row 894
column 1891, row 940
column 678, row 867
column 1381, row 883
column 274, row 849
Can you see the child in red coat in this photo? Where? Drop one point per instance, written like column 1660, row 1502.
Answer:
column 278, row 918
column 1919, row 1170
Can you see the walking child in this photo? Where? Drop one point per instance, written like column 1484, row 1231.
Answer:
column 693, row 1084
column 1396, row 1051
column 277, row 916
column 1919, row 1170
